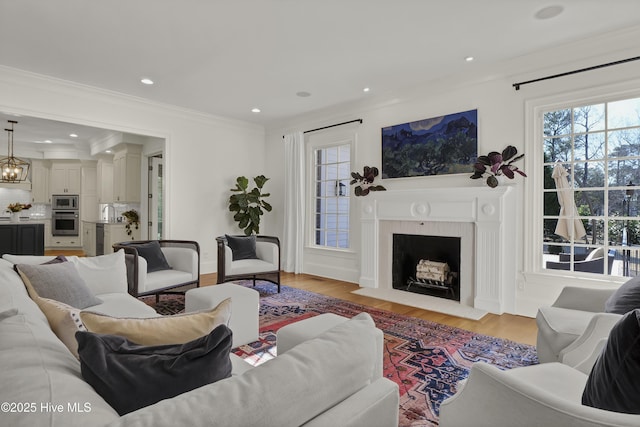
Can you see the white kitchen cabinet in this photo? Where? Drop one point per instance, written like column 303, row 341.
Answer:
column 89, row 238
column 126, row 174
column 105, row 181
column 65, row 178
column 116, row 233
column 89, row 195
column 48, row 237
column 40, row 182
column 65, row 242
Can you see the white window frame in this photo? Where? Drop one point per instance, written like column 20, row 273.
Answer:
column 534, row 185
column 315, row 142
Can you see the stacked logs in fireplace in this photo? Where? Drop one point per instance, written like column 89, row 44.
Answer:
column 433, row 275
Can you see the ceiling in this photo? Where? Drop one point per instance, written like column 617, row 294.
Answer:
column 228, row 57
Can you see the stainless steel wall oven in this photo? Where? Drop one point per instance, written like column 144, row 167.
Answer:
column 65, row 220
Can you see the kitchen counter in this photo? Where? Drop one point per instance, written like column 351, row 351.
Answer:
column 7, row 220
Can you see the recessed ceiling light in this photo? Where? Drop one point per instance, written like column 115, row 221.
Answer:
column 303, row 94
column 255, row 110
column 366, row 89
column 108, row 151
column 549, row 12
column 469, row 58
column 146, row 81
column 73, row 135
column 48, row 141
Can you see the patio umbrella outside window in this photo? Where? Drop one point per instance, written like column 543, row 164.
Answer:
column 569, row 224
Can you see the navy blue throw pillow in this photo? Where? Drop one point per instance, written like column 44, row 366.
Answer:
column 242, row 247
column 130, row 376
column 613, row 382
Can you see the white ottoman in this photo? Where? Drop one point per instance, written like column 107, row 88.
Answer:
column 245, row 307
column 293, row 334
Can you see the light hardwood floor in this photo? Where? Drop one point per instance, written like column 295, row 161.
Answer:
column 516, row 328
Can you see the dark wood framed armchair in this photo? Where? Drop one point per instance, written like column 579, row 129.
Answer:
column 145, row 277
column 266, row 267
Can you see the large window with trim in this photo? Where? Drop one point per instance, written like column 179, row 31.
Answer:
column 331, row 171
column 591, row 200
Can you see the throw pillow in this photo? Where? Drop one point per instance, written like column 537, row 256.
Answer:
column 64, row 321
column 31, row 259
column 59, row 282
column 625, row 298
column 151, row 251
column 177, row 329
column 242, row 247
column 130, row 376
column 103, row 274
column 613, row 382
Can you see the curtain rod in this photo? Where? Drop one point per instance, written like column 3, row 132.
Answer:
column 595, row 67
column 332, row 126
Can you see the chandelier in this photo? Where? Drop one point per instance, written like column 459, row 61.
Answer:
column 13, row 168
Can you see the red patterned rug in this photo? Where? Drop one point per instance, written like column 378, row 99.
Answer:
column 425, row 359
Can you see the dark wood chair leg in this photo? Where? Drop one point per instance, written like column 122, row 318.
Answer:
column 157, row 298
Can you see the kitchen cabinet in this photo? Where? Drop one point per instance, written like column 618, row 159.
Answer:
column 22, row 239
column 116, row 233
column 40, row 182
column 89, row 195
column 65, row 178
column 48, row 237
column 89, row 238
column 105, row 181
column 126, row 174
column 66, row 242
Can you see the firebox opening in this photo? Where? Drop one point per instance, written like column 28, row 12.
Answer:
column 427, row 265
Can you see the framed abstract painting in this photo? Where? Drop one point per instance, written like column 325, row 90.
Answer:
column 435, row 146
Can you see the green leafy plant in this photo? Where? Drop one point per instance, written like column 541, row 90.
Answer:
column 248, row 204
column 133, row 220
column 497, row 164
column 365, row 181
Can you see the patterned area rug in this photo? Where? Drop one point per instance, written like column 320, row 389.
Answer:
column 425, row 359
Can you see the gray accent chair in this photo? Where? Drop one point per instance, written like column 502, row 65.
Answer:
column 183, row 256
column 266, row 267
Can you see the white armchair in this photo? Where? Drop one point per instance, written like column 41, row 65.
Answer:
column 543, row 395
column 574, row 326
column 266, row 267
column 182, row 256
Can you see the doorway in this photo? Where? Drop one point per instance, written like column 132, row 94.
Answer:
column 156, row 204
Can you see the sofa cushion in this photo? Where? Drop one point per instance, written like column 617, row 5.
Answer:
column 613, row 382
column 177, row 329
column 130, row 376
column 242, row 247
column 625, row 298
column 28, row 259
column 64, row 321
column 60, row 282
column 104, row 273
column 152, row 252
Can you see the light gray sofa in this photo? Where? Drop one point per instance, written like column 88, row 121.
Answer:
column 332, row 376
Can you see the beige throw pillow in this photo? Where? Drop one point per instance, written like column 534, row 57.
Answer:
column 177, row 329
column 64, row 321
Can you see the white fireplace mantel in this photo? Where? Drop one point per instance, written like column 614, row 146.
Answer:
column 494, row 273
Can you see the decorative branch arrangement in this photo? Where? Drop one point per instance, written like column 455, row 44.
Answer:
column 498, row 164
column 365, row 181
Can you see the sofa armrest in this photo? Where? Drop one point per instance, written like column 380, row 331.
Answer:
column 588, row 345
column 585, row 299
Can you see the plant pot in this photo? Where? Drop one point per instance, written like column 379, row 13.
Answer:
column 15, row 216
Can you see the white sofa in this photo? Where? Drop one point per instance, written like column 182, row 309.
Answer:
column 332, row 376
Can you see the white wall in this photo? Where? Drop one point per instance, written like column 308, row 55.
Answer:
column 501, row 122
column 203, row 153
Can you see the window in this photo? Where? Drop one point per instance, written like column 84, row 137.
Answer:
column 591, row 199
column 332, row 166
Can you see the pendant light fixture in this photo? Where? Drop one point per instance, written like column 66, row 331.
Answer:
column 13, row 169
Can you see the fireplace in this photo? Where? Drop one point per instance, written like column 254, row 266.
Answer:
column 477, row 215
column 427, row 265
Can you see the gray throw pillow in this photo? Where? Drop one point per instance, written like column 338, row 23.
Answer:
column 613, row 382
column 242, row 247
column 625, row 298
column 151, row 251
column 130, row 376
column 60, row 282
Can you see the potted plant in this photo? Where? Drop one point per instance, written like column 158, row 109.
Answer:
column 248, row 205
column 15, row 209
column 498, row 164
column 133, row 220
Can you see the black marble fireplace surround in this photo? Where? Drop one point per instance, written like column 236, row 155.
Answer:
column 409, row 249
